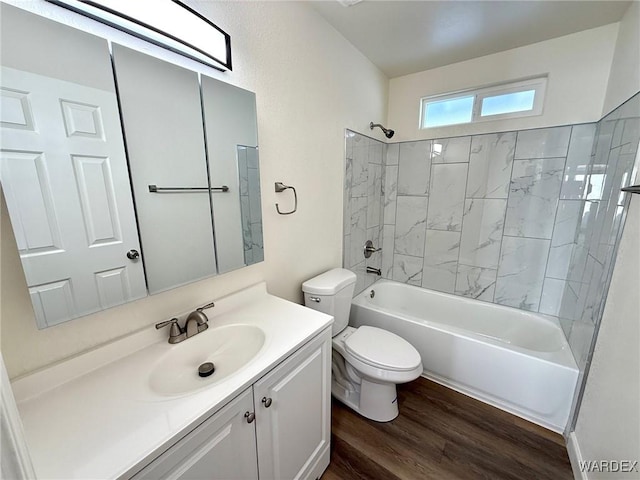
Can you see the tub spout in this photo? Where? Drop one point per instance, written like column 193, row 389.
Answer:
column 374, row 270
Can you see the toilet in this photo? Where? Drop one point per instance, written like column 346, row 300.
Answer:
column 367, row 362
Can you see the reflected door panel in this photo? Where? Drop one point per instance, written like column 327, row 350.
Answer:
column 65, row 180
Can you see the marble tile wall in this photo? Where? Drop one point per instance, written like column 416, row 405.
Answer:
column 476, row 216
column 364, row 205
column 586, row 245
column 250, row 208
column 527, row 219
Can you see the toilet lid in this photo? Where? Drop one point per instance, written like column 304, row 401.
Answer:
column 383, row 349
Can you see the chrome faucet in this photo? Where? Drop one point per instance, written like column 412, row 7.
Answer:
column 195, row 323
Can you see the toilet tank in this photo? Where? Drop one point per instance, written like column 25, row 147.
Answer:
column 331, row 293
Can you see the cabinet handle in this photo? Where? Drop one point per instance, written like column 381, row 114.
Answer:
column 266, row 402
column 250, row 416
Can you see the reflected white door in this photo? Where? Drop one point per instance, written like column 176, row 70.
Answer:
column 65, row 180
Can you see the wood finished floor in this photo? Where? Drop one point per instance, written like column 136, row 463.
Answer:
column 441, row 434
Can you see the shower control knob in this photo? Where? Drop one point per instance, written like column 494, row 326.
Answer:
column 133, row 255
column 369, row 249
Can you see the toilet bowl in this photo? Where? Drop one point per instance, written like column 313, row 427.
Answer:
column 367, row 362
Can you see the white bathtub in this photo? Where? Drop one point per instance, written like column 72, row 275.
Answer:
column 515, row 360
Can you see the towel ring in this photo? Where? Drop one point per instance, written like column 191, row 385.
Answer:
column 281, row 187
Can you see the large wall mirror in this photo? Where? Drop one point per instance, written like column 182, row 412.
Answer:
column 114, row 194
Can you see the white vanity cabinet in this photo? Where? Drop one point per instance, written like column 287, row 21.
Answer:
column 293, row 414
column 277, row 429
column 223, row 447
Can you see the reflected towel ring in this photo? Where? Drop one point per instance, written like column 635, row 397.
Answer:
column 281, row 187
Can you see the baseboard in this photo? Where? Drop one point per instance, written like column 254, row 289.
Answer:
column 575, row 457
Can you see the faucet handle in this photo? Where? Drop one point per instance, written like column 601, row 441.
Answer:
column 208, row 305
column 174, row 332
column 172, row 322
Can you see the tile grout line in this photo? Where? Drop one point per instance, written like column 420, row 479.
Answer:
column 395, row 220
column 429, row 203
column 464, row 203
column 504, row 218
column 553, row 229
column 426, row 218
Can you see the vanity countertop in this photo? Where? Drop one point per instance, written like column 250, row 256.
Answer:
column 95, row 416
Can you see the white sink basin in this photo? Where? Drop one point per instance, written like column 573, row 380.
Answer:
column 229, row 348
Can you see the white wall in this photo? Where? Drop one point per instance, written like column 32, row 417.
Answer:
column 624, row 79
column 608, row 426
column 310, row 85
column 578, row 67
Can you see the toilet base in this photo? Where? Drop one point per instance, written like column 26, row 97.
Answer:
column 374, row 401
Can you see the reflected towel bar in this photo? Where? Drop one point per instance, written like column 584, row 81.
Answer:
column 631, row 189
column 157, row 189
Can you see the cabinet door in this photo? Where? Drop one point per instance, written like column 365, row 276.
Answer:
column 294, row 430
column 162, row 121
column 222, row 448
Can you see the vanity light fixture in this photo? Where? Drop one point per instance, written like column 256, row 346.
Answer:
column 169, row 24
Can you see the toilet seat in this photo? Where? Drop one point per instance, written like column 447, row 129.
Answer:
column 382, row 349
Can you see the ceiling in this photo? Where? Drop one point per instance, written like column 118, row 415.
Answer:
column 403, row 37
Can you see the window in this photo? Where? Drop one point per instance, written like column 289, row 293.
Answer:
column 517, row 99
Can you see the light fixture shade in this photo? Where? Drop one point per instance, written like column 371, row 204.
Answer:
column 167, row 23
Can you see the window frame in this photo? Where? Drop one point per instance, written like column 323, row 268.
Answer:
column 539, row 84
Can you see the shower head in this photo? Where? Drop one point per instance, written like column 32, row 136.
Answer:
column 387, row 131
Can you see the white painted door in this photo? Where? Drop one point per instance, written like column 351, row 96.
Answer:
column 222, row 448
column 293, row 414
column 65, row 180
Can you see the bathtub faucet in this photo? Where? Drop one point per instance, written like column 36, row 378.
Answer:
column 374, row 270
column 369, row 249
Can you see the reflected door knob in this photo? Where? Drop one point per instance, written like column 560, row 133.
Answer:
column 133, row 254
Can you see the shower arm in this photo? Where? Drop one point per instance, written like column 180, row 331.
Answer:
column 387, row 131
